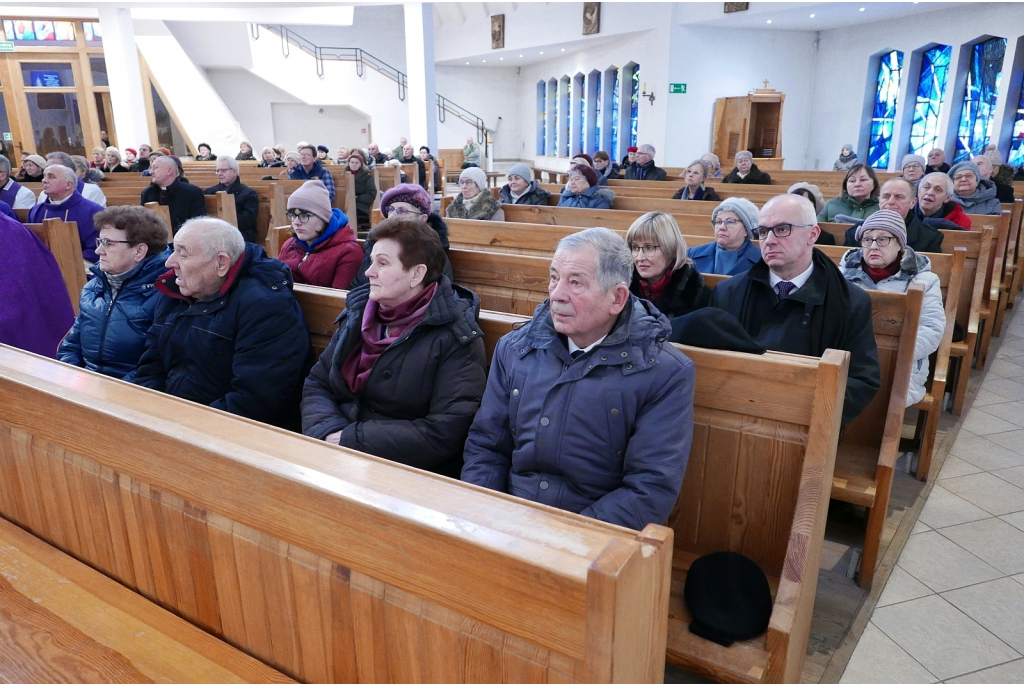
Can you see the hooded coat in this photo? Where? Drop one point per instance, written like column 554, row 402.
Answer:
column 756, row 176
column 534, row 195
column 244, row 349
column 983, row 201
column 847, row 206
column 846, row 162
column 914, row 268
column 825, row 313
column 606, row 435
column 330, row 261
column 109, row 334
column 422, row 392
column 594, row 197
column 685, row 292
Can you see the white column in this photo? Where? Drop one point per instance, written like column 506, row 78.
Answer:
column 122, row 58
column 419, row 60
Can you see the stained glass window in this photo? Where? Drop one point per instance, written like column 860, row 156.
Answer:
column 568, row 114
column 583, row 113
column 542, row 118
column 598, row 124
column 883, row 116
column 983, row 74
column 615, row 115
column 44, row 30
column 634, row 105
column 931, row 88
column 92, row 32
column 1016, row 157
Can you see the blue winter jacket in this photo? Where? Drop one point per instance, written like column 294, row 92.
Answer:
column 703, row 257
column 110, row 332
column 594, row 197
column 245, row 349
column 606, row 435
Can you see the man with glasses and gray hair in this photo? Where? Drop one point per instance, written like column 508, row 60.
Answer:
column 588, row 408
column 796, row 300
column 642, row 168
column 247, row 202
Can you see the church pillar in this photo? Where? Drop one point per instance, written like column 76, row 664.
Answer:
column 124, row 76
column 419, row 59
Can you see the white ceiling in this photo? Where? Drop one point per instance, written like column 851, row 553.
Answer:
column 796, row 16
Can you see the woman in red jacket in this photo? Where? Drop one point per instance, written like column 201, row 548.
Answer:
column 323, row 250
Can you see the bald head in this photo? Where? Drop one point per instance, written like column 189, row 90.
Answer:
column 788, row 255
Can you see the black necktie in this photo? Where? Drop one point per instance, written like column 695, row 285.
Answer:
column 577, row 354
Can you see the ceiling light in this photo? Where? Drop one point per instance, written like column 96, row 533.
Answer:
column 484, row 61
column 769, row 21
column 563, row 49
column 467, row 62
column 501, row 59
column 862, row 9
column 520, row 55
column 542, row 52
column 812, row 16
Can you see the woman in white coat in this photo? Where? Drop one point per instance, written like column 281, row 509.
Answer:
column 884, row 262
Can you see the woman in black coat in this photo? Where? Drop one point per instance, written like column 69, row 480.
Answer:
column 366, row 189
column 662, row 273
column 403, row 377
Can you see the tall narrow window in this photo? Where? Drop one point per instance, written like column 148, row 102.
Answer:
column 634, row 104
column 883, row 116
column 582, row 84
column 568, row 116
column 597, row 116
column 931, row 88
column 983, row 74
column 615, row 114
column 542, row 118
column 1016, row 157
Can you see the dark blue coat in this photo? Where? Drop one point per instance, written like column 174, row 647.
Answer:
column 245, row 350
column 606, row 435
column 703, row 257
column 109, row 334
column 594, row 197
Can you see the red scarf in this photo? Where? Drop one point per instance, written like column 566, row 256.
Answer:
column 653, row 292
column 381, row 326
column 884, row 272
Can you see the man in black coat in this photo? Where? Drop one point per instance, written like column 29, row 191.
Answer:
column 937, row 162
column 643, row 169
column 900, row 195
column 746, row 171
column 184, row 200
column 796, row 300
column 247, row 202
column 228, row 333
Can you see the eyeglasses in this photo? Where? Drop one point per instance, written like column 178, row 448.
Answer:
column 913, row 165
column 467, row 182
column 780, row 231
column 648, row 250
column 402, row 211
column 302, row 217
column 881, row 242
column 965, row 176
column 107, row 242
column 726, row 223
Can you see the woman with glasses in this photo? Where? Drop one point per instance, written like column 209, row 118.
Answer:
column 733, row 250
column 322, row 250
column 116, row 307
column 859, row 198
column 662, row 273
column 975, row 194
column 366, row 189
column 884, row 261
column 475, row 200
column 696, row 176
column 913, row 168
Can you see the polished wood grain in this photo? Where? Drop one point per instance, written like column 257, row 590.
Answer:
column 63, row 240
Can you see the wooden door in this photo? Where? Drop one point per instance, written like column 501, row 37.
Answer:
column 730, row 129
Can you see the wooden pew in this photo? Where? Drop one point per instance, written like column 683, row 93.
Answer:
column 65, row 622
column 1010, row 263
column 222, row 206
column 273, row 541
column 164, row 212
column 63, row 240
column 765, row 431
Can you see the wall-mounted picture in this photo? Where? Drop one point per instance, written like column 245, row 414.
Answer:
column 736, row 7
column 497, row 31
column 591, row 18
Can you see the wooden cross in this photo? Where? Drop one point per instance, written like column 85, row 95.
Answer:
column 766, row 84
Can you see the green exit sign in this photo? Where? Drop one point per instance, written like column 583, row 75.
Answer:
column 6, row 46
column 677, row 88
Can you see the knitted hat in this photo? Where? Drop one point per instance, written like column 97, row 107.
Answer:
column 37, row 160
column 406, row 192
column 476, row 175
column 131, row 150
column 711, row 159
column 322, row 148
column 583, row 156
column 164, row 150
column 884, row 220
column 746, row 210
column 848, row 146
column 969, row 166
column 819, row 199
column 631, row 148
column 293, row 155
column 312, row 197
column 356, row 152
column 522, row 171
column 586, row 172
column 907, row 159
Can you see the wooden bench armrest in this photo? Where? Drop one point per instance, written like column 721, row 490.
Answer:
column 901, row 382
column 979, row 282
column 952, row 303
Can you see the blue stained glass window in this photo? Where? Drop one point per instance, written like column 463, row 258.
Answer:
column 883, row 116
column 931, row 88
column 634, row 105
column 568, row 115
column 615, row 115
column 597, row 116
column 583, row 114
column 1016, row 157
column 542, row 122
column 983, row 74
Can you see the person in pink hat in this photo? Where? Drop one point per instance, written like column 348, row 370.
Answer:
column 322, row 250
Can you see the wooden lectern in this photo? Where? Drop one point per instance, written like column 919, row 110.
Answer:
column 751, row 122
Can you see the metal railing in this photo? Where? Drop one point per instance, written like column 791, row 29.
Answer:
column 362, row 60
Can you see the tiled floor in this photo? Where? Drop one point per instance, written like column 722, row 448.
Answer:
column 953, row 608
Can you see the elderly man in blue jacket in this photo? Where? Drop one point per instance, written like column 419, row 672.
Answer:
column 587, row 408
column 228, row 333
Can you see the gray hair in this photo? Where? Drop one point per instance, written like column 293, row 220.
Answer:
column 802, row 204
column 216, row 236
column 231, row 162
column 947, row 182
column 81, row 163
column 913, row 187
column 614, row 262
column 5, row 165
column 744, row 153
column 64, row 173
column 646, row 148
column 62, row 157
column 168, row 160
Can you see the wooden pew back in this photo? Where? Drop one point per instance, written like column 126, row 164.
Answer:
column 62, row 239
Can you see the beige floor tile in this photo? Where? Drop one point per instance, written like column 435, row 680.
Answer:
column 1020, row 579
column 954, row 467
column 1006, row 368
column 941, row 564
column 985, row 397
column 1015, row 519
column 943, row 508
column 877, row 659
column 1012, row 672
column 1007, row 411
column 986, row 454
column 997, row 605
column 1005, row 387
column 940, row 637
column 982, row 423
column 992, row 494
column 1014, row 476
column 919, row 527
column 902, row 587
column 995, row 542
